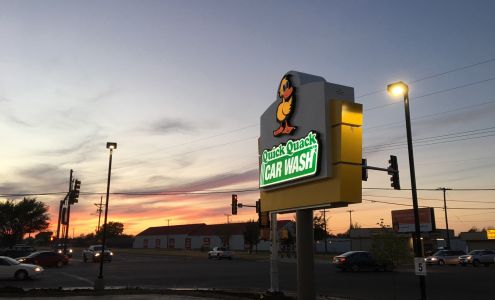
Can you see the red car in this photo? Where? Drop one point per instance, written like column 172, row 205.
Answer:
column 45, row 259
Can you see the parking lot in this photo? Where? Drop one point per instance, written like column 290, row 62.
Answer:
column 159, row 270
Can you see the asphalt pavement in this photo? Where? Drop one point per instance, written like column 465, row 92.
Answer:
column 161, row 271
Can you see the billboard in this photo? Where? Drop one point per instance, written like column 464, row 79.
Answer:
column 403, row 220
column 310, row 145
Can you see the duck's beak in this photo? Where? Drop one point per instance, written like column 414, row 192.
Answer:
column 287, row 93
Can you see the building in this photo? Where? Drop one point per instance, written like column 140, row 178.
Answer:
column 201, row 236
column 477, row 240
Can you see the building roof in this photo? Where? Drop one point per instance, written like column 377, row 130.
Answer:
column 202, row 229
column 176, row 229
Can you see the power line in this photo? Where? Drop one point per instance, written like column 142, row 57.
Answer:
column 470, row 106
column 440, row 207
column 438, row 137
column 434, row 76
column 431, row 199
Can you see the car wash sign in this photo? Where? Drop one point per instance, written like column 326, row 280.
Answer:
column 290, row 161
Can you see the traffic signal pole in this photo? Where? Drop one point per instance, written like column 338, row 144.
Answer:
column 68, row 213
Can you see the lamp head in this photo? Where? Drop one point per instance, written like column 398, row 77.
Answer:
column 111, row 145
column 398, row 88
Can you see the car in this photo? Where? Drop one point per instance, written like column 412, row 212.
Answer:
column 11, row 268
column 477, row 257
column 445, row 257
column 220, row 253
column 93, row 253
column 60, row 249
column 360, row 260
column 45, row 259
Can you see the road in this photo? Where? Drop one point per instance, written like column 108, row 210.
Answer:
column 161, row 271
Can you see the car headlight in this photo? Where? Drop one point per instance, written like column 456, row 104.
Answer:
column 434, row 258
column 59, row 251
column 97, row 254
column 21, row 259
column 111, row 253
column 70, row 250
column 469, row 257
column 38, row 269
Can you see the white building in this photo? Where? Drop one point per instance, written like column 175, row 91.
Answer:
column 200, row 236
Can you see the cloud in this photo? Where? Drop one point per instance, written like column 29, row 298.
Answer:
column 166, row 126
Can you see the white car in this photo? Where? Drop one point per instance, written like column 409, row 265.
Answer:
column 11, row 268
column 220, row 252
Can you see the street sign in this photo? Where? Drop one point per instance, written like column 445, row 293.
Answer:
column 420, row 266
column 490, row 234
column 403, row 220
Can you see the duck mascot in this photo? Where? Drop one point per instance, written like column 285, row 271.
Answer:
column 285, row 108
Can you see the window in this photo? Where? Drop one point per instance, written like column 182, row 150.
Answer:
column 171, row 243
column 145, row 243
column 3, row 263
column 188, row 243
column 157, row 243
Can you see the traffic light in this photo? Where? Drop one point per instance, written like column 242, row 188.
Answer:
column 74, row 197
column 364, row 170
column 258, row 206
column 234, row 204
column 393, row 171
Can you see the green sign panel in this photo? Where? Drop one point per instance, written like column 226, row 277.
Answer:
column 290, row 161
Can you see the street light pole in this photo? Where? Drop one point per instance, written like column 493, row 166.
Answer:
column 99, row 283
column 397, row 89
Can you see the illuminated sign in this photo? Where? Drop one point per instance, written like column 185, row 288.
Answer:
column 490, row 234
column 290, row 161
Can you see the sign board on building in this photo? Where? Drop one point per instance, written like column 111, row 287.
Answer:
column 490, row 234
column 310, row 145
column 403, row 220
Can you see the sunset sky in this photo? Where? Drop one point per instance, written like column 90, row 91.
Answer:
column 181, row 85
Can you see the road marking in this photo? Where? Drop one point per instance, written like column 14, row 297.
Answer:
column 78, row 277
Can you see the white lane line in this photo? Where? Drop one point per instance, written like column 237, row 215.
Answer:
column 78, row 277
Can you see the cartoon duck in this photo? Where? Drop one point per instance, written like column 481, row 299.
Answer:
column 285, row 108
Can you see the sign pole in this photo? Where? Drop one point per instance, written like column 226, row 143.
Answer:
column 305, row 255
column 274, row 286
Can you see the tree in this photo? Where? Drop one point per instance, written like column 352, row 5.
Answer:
column 17, row 219
column 319, row 224
column 114, row 229
column 388, row 246
column 252, row 235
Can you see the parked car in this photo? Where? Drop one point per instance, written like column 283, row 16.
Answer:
column 360, row 260
column 220, row 253
column 477, row 257
column 93, row 253
column 60, row 249
column 445, row 257
column 18, row 251
column 11, row 268
column 45, row 259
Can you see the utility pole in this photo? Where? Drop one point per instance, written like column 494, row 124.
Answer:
column 445, row 210
column 99, row 210
column 228, row 217
column 350, row 219
column 168, row 225
column 325, row 227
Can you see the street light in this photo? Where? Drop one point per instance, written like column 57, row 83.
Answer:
column 401, row 89
column 100, row 283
